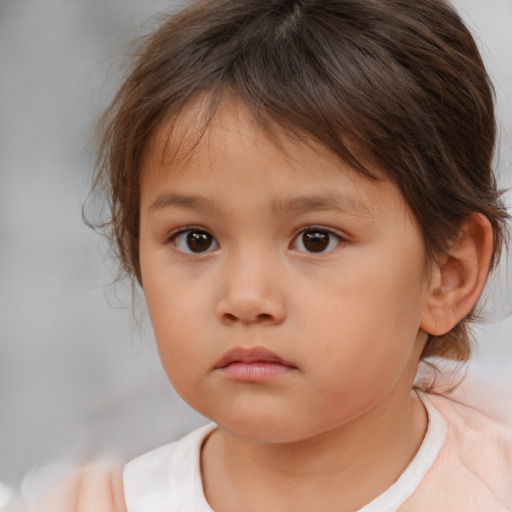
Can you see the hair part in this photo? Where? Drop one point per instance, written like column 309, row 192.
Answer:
column 389, row 84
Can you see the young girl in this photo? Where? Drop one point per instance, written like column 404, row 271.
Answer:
column 303, row 190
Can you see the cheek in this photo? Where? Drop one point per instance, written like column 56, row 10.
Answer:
column 365, row 322
column 367, row 299
column 175, row 320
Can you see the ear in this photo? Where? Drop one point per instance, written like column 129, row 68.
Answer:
column 458, row 278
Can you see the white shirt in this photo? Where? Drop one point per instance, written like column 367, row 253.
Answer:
column 168, row 479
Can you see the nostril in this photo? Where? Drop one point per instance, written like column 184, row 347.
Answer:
column 250, row 310
column 264, row 317
column 229, row 317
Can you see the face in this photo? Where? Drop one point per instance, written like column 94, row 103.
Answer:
column 286, row 291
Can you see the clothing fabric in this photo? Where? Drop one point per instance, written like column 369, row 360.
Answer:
column 464, row 464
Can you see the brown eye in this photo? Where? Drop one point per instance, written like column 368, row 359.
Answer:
column 195, row 241
column 316, row 240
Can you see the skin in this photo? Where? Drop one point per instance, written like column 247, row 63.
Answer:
column 339, row 423
column 343, row 423
column 94, row 487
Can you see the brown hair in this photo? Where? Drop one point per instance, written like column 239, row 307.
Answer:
column 402, row 80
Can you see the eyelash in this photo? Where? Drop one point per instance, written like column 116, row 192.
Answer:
column 174, row 238
column 205, row 237
column 319, row 229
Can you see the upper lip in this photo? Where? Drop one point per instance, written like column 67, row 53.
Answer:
column 251, row 355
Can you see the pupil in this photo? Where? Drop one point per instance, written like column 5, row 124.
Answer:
column 315, row 241
column 199, row 241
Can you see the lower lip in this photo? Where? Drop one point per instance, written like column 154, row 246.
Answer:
column 259, row 371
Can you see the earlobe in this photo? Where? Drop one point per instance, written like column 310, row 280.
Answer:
column 459, row 276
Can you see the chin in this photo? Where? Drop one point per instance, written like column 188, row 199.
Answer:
column 275, row 430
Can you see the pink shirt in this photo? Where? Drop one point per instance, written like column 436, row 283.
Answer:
column 473, row 470
column 463, row 465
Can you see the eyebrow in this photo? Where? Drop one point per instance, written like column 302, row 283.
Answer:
column 182, row 202
column 322, row 202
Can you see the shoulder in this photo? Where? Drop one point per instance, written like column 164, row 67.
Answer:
column 167, row 478
column 473, row 471
column 475, row 438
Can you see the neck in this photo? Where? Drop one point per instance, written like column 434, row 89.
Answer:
column 341, row 469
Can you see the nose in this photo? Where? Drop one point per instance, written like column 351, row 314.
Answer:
column 251, row 293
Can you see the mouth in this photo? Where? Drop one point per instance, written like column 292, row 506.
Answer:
column 255, row 364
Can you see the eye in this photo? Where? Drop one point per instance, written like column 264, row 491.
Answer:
column 316, row 240
column 194, row 241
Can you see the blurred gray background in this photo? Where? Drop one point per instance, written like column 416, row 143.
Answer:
column 79, row 373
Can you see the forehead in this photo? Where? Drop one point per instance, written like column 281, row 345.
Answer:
column 232, row 150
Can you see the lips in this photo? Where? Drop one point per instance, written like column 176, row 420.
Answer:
column 251, row 355
column 255, row 364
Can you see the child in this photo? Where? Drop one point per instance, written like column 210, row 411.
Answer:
column 303, row 190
